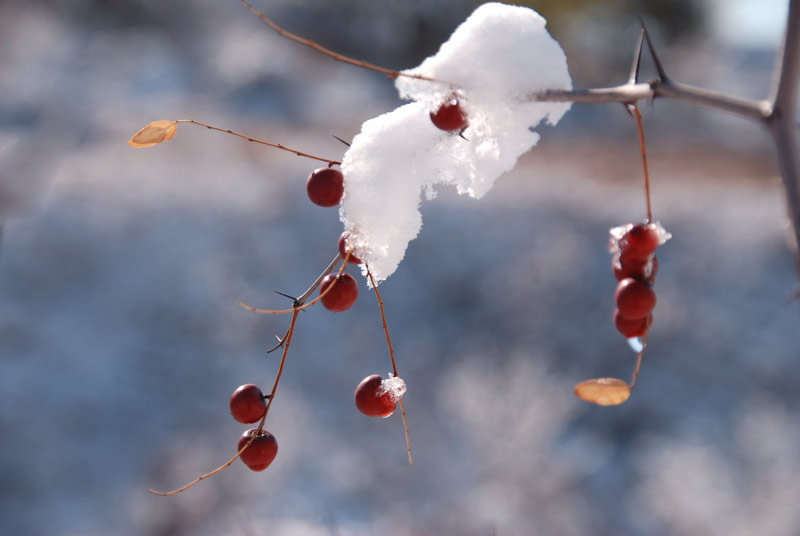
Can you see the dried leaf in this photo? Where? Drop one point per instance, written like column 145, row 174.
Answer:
column 603, row 391
column 155, row 132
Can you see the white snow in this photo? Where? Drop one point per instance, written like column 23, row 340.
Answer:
column 497, row 56
column 394, row 385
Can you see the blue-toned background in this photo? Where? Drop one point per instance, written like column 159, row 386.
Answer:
column 120, row 340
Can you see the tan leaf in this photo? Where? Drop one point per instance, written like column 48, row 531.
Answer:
column 155, row 132
column 603, row 391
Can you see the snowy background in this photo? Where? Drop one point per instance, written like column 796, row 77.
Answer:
column 120, row 340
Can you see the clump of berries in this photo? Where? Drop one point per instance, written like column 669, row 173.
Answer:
column 248, row 405
column 635, row 265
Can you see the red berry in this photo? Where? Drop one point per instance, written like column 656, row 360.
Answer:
column 342, row 295
column 342, row 245
column 449, row 116
column 261, row 451
column 373, row 401
column 247, row 404
column 632, row 328
column 325, row 186
column 635, row 299
column 635, row 269
column 639, row 242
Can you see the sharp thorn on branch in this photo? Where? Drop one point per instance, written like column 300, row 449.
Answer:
column 295, row 301
column 637, row 59
column 340, row 139
column 281, row 341
column 662, row 75
column 629, row 109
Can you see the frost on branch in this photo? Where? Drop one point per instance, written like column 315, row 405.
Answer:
column 498, row 55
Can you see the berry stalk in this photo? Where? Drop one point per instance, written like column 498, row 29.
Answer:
column 634, row 108
column 261, row 142
column 391, row 357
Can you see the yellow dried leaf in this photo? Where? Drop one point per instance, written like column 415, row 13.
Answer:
column 603, row 391
column 155, row 132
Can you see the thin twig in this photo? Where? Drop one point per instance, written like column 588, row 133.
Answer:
column 638, row 364
column 269, row 397
column 261, row 142
column 394, row 365
column 391, row 73
column 310, row 290
column 640, row 133
column 405, row 427
column 298, row 305
column 383, row 320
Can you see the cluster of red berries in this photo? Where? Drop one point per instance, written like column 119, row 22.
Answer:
column 635, row 266
column 248, row 405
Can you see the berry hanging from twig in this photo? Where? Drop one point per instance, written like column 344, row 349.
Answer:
column 376, row 397
column 342, row 245
column 325, row 186
column 342, row 295
column 261, row 451
column 248, row 404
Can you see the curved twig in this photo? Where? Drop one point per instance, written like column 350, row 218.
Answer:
column 261, row 142
column 299, row 304
column 391, row 73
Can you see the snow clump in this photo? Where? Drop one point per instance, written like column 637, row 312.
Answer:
column 492, row 64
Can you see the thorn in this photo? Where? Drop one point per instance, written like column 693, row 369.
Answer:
column 660, row 68
column 629, row 109
column 279, row 345
column 637, row 59
column 461, row 134
column 340, row 139
column 295, row 301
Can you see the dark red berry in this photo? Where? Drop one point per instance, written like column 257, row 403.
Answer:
column 373, row 401
column 449, row 116
column 247, row 404
column 325, row 186
column 261, row 451
column 635, row 269
column 635, row 299
column 342, row 295
column 639, row 242
column 632, row 328
column 342, row 245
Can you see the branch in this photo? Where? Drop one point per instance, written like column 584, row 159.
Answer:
column 781, row 122
column 777, row 113
column 630, row 93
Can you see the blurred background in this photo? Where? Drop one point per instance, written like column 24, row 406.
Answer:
column 120, row 339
